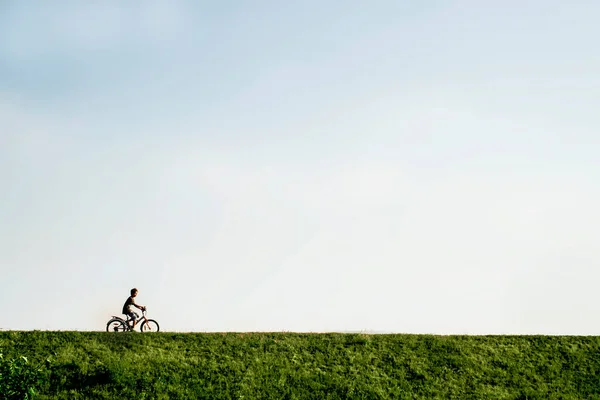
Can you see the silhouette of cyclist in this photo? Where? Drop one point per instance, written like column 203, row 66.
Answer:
column 128, row 307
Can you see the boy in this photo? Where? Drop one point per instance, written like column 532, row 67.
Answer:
column 128, row 309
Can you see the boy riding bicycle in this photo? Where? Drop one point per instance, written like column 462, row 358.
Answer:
column 128, row 307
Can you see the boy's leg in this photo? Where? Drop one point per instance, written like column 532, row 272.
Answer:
column 134, row 318
column 130, row 320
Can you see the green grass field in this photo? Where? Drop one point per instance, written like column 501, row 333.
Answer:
column 98, row 365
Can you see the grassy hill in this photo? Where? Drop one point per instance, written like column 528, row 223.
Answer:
column 98, row 365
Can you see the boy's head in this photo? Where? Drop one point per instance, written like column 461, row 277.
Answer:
column 133, row 292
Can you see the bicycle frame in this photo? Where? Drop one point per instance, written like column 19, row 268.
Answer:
column 139, row 321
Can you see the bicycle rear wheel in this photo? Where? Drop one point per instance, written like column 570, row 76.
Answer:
column 116, row 325
column 149, row 325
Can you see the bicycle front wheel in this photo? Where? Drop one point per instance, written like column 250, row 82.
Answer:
column 116, row 325
column 149, row 325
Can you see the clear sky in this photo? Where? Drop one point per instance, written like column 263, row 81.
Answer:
column 384, row 166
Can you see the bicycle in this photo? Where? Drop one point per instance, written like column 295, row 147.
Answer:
column 118, row 324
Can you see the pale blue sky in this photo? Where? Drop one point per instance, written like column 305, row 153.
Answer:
column 425, row 167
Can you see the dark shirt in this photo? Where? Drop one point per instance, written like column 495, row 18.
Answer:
column 127, row 306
